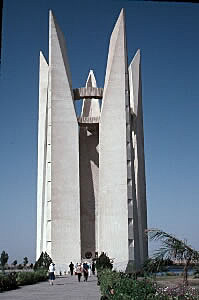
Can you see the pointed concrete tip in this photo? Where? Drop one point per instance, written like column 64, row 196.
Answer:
column 90, row 73
column 91, row 81
column 120, row 22
column 52, row 16
column 122, row 14
column 41, row 54
column 122, row 11
column 138, row 53
column 42, row 57
column 136, row 57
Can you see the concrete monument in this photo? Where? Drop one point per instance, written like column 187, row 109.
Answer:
column 91, row 193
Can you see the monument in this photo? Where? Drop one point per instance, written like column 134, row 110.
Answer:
column 91, row 192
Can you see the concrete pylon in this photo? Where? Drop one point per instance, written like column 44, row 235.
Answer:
column 135, row 87
column 64, row 204
column 113, row 209
column 42, row 150
column 90, row 107
column 89, row 171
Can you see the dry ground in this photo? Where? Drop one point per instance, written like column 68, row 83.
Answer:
column 172, row 281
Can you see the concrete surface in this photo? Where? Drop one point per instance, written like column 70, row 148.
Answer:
column 135, row 86
column 63, row 289
column 89, row 172
column 42, row 152
column 65, row 199
column 113, row 205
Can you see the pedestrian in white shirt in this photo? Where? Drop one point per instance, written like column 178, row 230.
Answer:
column 51, row 271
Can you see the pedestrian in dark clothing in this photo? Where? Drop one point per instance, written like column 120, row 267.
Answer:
column 85, row 271
column 71, row 266
column 93, row 268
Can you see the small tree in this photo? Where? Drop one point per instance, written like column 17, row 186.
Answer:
column 173, row 248
column 103, row 261
column 43, row 262
column 20, row 267
column 14, row 263
column 155, row 265
column 4, row 259
column 25, row 261
column 31, row 265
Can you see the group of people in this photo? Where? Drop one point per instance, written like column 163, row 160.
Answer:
column 79, row 269
column 82, row 268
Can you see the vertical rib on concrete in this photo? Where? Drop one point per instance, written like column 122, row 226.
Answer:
column 138, row 144
column 89, row 172
column 42, row 148
column 113, row 209
column 65, row 210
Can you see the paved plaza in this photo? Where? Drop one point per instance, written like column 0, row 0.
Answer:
column 64, row 288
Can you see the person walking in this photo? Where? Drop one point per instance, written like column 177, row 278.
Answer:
column 89, row 269
column 93, row 268
column 51, row 271
column 79, row 272
column 85, row 271
column 71, row 266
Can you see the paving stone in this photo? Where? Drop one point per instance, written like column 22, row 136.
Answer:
column 64, row 288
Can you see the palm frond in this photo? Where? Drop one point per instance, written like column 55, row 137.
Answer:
column 172, row 247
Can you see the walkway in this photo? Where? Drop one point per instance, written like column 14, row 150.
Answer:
column 64, row 288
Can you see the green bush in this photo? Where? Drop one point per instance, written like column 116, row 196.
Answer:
column 13, row 280
column 43, row 262
column 24, row 278
column 103, row 261
column 8, row 282
column 120, row 286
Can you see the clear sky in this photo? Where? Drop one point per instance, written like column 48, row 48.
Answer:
column 167, row 35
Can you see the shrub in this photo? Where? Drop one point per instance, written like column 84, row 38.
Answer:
column 8, row 282
column 43, row 262
column 13, row 280
column 103, row 261
column 20, row 267
column 24, row 278
column 120, row 286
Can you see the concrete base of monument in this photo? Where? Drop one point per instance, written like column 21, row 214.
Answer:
column 62, row 269
column 120, row 266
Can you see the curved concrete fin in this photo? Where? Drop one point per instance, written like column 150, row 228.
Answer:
column 112, row 152
column 134, row 78
column 135, row 87
column 90, row 107
column 118, row 32
column 41, row 170
column 58, row 60
column 65, row 197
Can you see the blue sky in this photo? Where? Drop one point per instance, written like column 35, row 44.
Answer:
column 167, row 35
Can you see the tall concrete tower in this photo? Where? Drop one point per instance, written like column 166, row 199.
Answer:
column 91, row 191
